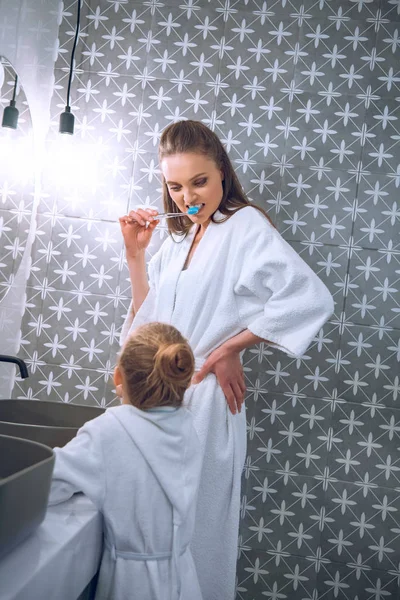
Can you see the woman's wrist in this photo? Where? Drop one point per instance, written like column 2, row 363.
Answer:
column 138, row 257
column 238, row 343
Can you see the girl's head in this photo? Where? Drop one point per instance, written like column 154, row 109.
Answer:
column 155, row 367
column 197, row 170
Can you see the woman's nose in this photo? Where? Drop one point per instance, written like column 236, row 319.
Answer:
column 188, row 196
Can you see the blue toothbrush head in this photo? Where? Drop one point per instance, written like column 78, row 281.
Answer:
column 193, row 210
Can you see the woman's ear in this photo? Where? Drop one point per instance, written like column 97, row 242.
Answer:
column 117, row 376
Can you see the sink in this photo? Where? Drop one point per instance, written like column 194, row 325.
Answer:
column 25, row 476
column 46, row 422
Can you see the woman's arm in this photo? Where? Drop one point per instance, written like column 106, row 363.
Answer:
column 139, row 282
column 137, row 236
column 140, row 289
column 243, row 340
column 225, row 363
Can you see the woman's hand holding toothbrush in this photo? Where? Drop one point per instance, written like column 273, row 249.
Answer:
column 137, row 228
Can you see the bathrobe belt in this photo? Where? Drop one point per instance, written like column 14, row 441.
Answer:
column 137, row 555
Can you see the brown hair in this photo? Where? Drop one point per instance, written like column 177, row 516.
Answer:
column 157, row 364
column 193, row 136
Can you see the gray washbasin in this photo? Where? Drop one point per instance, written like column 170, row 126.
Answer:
column 49, row 423
column 25, row 476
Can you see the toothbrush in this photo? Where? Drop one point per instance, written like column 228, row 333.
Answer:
column 193, row 210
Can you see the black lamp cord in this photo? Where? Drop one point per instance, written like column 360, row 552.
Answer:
column 78, row 21
column 15, row 90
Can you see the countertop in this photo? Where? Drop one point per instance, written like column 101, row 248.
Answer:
column 59, row 559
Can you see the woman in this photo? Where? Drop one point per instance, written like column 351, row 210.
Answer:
column 227, row 280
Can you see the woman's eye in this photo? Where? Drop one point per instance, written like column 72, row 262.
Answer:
column 201, row 182
column 174, row 189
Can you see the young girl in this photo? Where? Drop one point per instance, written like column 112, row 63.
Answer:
column 140, row 465
column 227, row 280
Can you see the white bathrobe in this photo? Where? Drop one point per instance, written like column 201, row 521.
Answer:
column 141, row 469
column 243, row 275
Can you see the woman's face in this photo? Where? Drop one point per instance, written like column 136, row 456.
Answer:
column 193, row 179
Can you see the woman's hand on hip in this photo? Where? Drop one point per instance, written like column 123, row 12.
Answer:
column 228, row 370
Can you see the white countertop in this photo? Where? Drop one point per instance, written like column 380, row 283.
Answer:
column 59, row 559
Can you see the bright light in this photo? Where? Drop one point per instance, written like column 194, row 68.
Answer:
column 72, row 164
column 16, row 156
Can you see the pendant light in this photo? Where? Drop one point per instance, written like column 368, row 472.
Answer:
column 11, row 113
column 67, row 119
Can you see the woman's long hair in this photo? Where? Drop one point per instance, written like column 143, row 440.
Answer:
column 194, row 137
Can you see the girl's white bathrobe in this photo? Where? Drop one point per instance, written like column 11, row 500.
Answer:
column 243, row 275
column 141, row 469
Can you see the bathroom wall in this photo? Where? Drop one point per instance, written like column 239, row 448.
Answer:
column 305, row 95
column 28, row 36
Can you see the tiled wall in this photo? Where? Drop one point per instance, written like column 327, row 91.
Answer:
column 305, row 96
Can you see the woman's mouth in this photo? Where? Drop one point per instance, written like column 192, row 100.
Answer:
column 194, row 209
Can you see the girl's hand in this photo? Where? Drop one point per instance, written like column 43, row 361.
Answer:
column 228, row 370
column 137, row 229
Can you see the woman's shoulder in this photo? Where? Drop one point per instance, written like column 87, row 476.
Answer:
column 250, row 216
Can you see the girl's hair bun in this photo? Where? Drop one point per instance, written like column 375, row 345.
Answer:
column 174, row 364
column 158, row 366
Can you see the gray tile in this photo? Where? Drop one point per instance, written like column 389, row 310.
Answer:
column 328, row 130
column 175, row 51
column 146, row 187
column 377, row 216
column 287, row 433
column 314, row 374
column 365, row 445
column 330, row 263
column 261, row 575
column 359, row 11
column 386, row 44
column 373, row 291
column 369, row 365
column 32, row 324
column 166, row 101
column 381, row 152
column 53, row 382
column 346, row 69
column 390, row 11
column 260, row 182
column 70, row 329
column 106, row 35
column 278, row 34
column 361, row 526
column 253, row 121
column 353, row 582
column 317, row 206
column 11, row 248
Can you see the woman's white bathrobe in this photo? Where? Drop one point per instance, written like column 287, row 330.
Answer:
column 243, row 275
column 141, row 469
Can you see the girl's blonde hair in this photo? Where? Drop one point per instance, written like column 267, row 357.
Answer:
column 197, row 138
column 157, row 364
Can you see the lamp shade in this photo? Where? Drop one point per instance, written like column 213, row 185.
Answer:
column 10, row 116
column 67, row 121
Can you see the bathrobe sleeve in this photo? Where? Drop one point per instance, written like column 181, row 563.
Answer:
column 79, row 467
column 279, row 298
column 144, row 314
